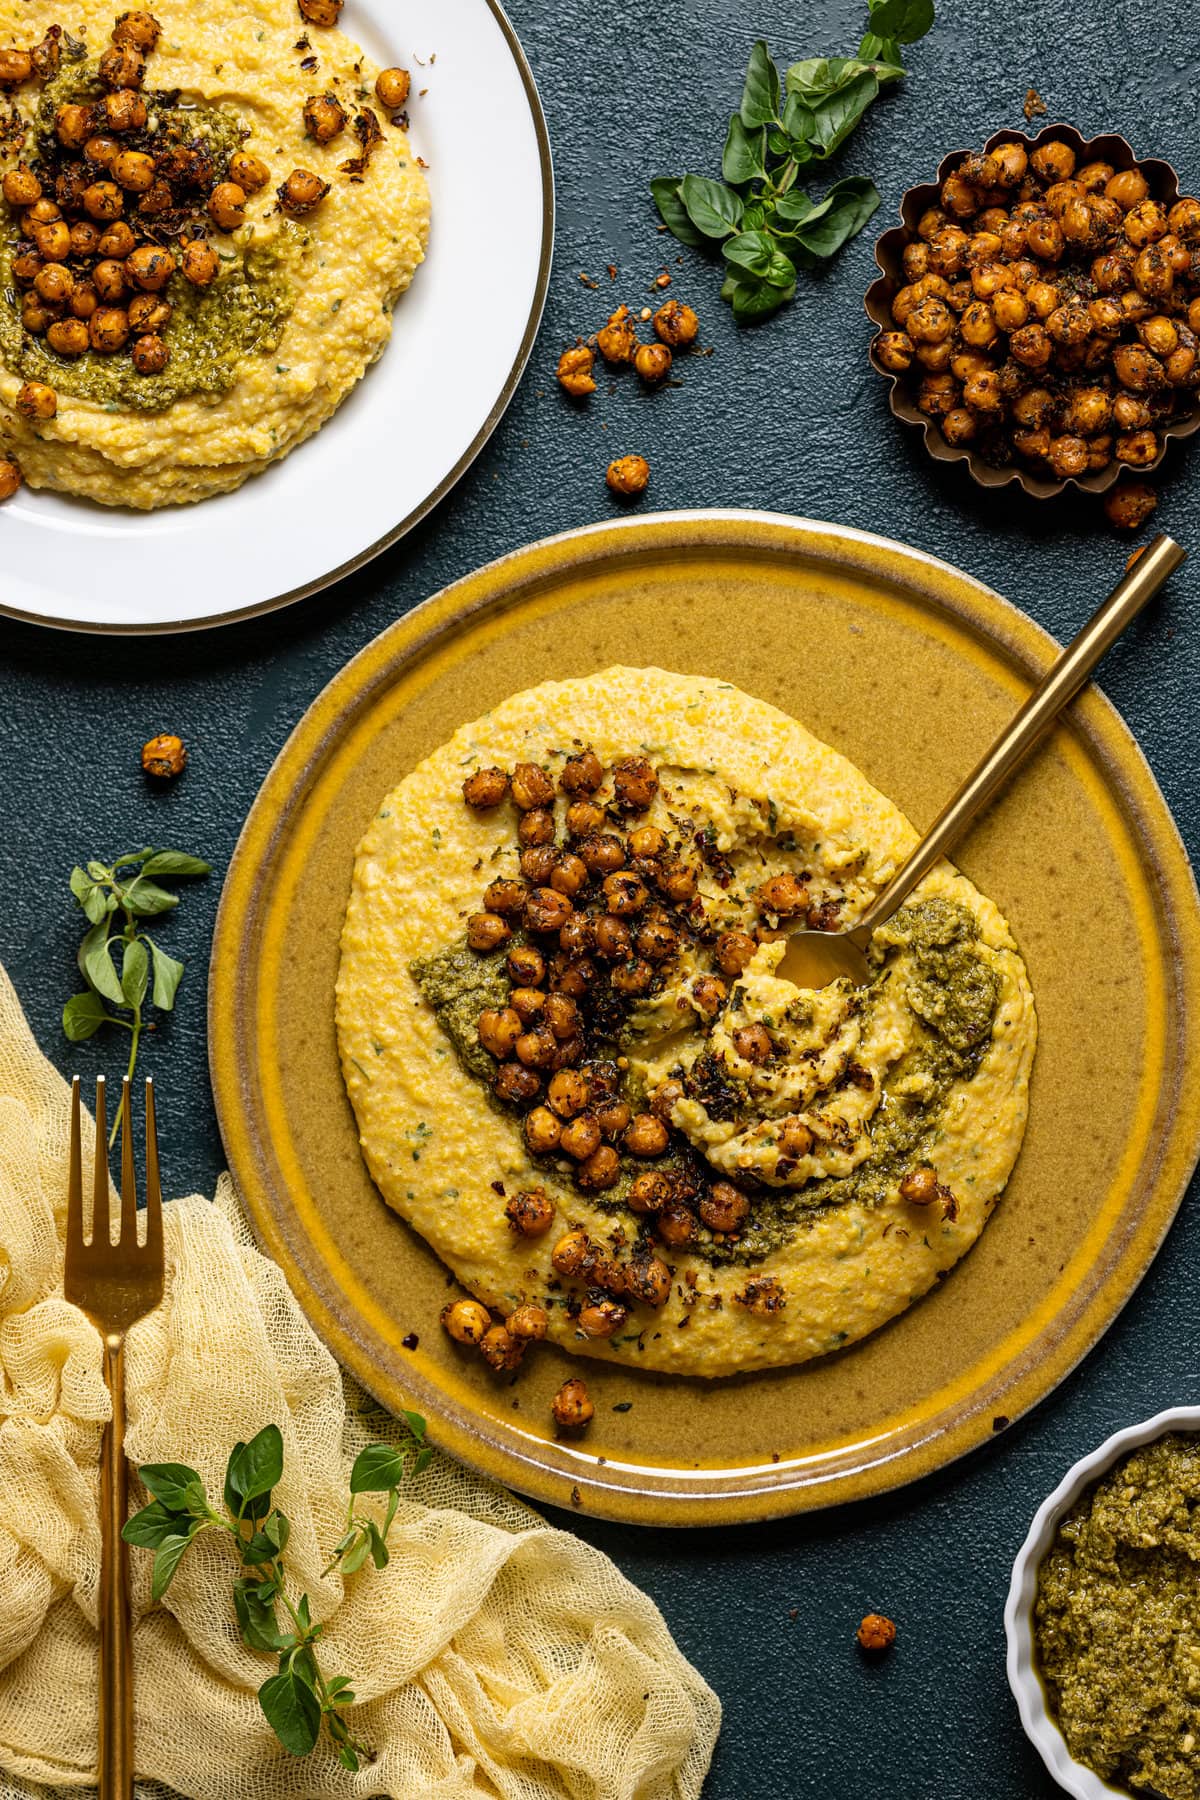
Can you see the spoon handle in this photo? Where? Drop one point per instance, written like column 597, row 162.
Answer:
column 1055, row 691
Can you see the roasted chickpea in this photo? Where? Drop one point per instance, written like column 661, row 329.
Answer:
column 568, row 1093
column 652, row 362
column 536, row 1047
column 516, row 1085
column 1034, row 443
column 16, row 66
column 118, row 241
column 21, row 186
column 981, row 392
column 1106, row 318
column 536, row 826
column 600, row 1171
column 466, row 1321
column 1044, row 238
column 486, row 787
column 581, row 1137
column 1184, row 220
column 1128, row 187
column 53, row 241
column 657, row 939
column 1181, row 366
column 708, row 995
column 784, row 895
column 542, row 1131
column 150, row 267
column 920, row 1186
column 227, row 206
column 675, row 1225
column 675, row 880
column 946, row 254
column 68, row 336
column 527, row 1323
column 1130, row 504
column 633, row 977
column 733, row 951
column 103, row 200
column 676, row 324
column 498, row 1030
column 572, row 1406
column 978, row 325
column 250, row 173
column 894, row 350
column 646, row 1136
column 141, row 29
column 1138, row 449
column 1054, row 161
column 1130, row 411
column 876, row 1633
column 1068, row 456
column 320, row 12
column 10, row 478
column 46, row 56
column 527, row 1003
column 959, row 198
column 930, row 223
column 724, row 1207
column 54, row 283
column 124, row 111
column 1145, row 223
column 108, row 278
column 532, row 788
column 538, row 863
column 1005, row 166
column 35, row 316
column 121, row 66
column 1088, row 411
column 25, row 266
column 133, row 171
column 530, row 1213
column 1031, row 346
column 915, row 259
column 1010, row 309
column 931, row 322
column 1069, row 323
column 85, row 238
column 36, row 401
column 323, row 117
column 574, row 371
column 648, row 1280
column 487, row 931
column 73, row 126
column 392, row 89
column 1136, row 368
column 500, row 1350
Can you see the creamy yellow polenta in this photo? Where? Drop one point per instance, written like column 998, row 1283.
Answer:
column 339, row 270
column 927, row 1069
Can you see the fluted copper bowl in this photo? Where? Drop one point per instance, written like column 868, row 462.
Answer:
column 1110, row 148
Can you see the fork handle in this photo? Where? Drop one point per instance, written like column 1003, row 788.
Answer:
column 116, row 1660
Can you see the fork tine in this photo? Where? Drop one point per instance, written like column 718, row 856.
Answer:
column 75, row 1178
column 154, row 1219
column 127, row 1235
column 100, row 1208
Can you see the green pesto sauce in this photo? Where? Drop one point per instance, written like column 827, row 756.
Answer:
column 211, row 330
column 954, row 996
column 1117, row 1622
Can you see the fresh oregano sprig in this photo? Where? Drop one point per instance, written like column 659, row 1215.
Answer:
column 765, row 227
column 123, row 966
column 299, row 1698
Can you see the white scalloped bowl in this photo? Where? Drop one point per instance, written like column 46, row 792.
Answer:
column 1023, row 1677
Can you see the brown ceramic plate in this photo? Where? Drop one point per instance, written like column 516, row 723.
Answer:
column 909, row 668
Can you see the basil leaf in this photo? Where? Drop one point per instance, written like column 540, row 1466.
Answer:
column 844, row 211
column 145, row 898
column 135, row 973
column 760, row 93
column 166, row 1561
column 178, row 1487
column 253, row 1470
column 837, row 115
column 82, row 1016
column 797, row 119
column 292, row 1710
column 97, row 870
column 415, row 1423
column 753, row 298
column 174, row 862
column 254, row 1604
column 167, row 975
column 671, row 211
column 750, row 250
column 903, row 20
column 277, row 1530
column 794, row 206
column 153, row 1526
column 376, row 1469
column 711, row 206
column 91, row 898
column 744, row 157
column 96, row 964
column 883, row 54
column 354, row 1559
column 379, row 1550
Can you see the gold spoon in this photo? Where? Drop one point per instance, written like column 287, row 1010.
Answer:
column 815, row 958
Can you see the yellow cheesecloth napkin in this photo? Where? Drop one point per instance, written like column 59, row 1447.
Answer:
column 493, row 1655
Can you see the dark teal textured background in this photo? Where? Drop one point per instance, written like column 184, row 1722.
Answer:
column 790, row 417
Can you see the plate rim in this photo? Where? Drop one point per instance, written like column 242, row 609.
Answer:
column 178, row 627
column 554, row 1473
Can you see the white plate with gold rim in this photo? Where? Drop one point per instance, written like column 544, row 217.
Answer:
column 414, row 423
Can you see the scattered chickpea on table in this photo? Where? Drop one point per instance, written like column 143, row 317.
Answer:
column 676, row 327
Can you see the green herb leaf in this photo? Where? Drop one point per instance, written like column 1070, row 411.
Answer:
column 167, row 975
column 177, row 1486
column 348, row 1757
column 711, row 206
column 745, row 155
column 753, row 298
column 883, row 55
column 277, row 1530
column 166, row 1561
column 837, row 115
column 154, row 1525
column 903, row 20
column 760, row 92
column 292, row 1710
column 672, row 211
column 174, row 862
column 253, row 1470
column 844, row 211
column 750, row 250
column 254, row 1604
column 90, row 896
column 82, row 1016
column 377, row 1469
column 354, row 1558
column 145, row 899
column 379, row 1550
column 96, row 964
column 135, row 973
column 415, row 1423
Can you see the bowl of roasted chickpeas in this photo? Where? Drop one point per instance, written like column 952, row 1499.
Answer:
column 1039, row 311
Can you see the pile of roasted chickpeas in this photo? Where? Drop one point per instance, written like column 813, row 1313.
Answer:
column 1051, row 311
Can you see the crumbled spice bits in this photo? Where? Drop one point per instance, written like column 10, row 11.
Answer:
column 1051, row 312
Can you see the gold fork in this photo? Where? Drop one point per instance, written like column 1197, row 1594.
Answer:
column 115, row 1285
